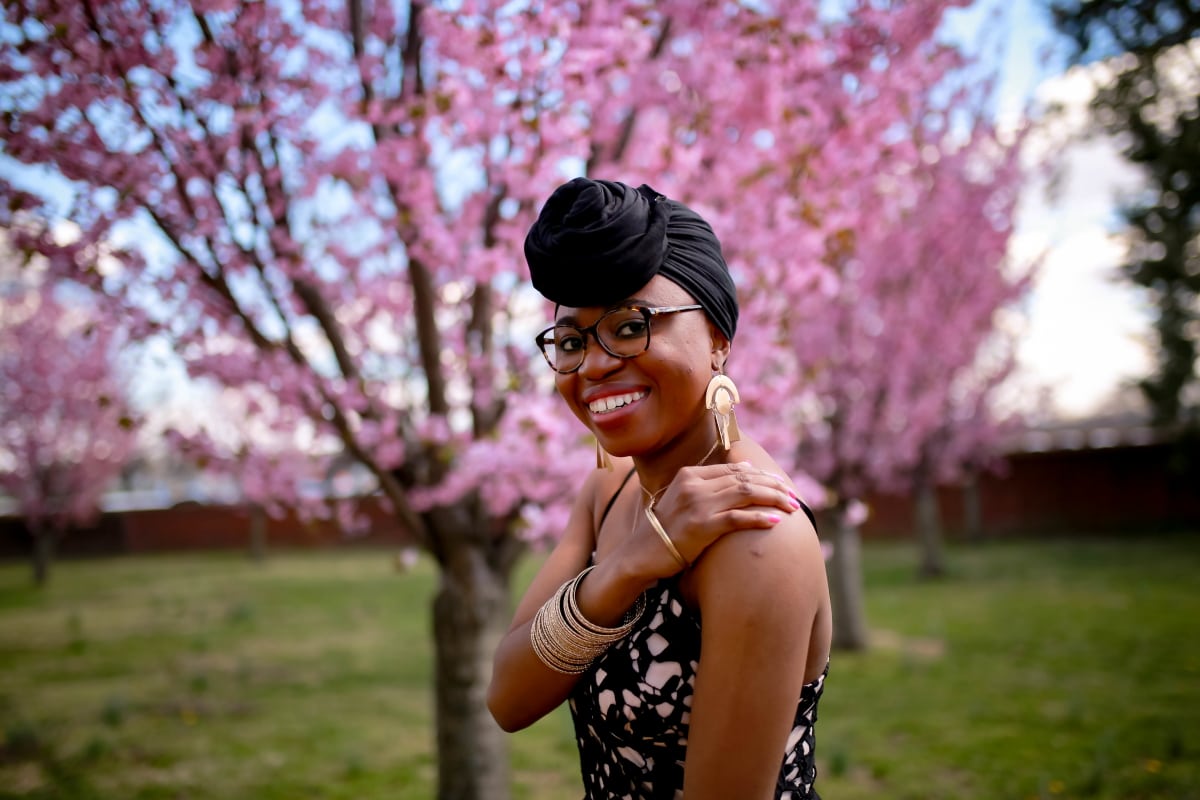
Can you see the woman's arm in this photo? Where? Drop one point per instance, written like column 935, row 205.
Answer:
column 523, row 689
column 763, row 599
column 708, row 503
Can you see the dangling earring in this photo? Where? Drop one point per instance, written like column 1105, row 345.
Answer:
column 602, row 459
column 720, row 398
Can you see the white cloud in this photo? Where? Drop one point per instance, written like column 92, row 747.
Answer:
column 1086, row 335
column 1087, row 331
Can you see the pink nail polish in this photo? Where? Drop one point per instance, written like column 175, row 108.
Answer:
column 773, row 518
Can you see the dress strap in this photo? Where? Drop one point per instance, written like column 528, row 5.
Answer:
column 613, row 499
column 809, row 513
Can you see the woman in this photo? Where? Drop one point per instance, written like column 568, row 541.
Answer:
column 692, row 522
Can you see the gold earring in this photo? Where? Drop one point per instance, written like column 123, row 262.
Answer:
column 720, row 398
column 602, row 459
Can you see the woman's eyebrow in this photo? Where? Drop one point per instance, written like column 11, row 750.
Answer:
column 570, row 319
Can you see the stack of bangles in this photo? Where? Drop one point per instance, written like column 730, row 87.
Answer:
column 564, row 640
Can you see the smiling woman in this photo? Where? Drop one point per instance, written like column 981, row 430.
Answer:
column 693, row 522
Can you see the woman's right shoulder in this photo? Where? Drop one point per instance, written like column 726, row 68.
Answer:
column 603, row 485
column 607, row 480
column 588, row 507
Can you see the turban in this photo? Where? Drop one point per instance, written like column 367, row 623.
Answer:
column 596, row 243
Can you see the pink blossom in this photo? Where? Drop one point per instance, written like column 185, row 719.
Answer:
column 334, row 236
column 66, row 429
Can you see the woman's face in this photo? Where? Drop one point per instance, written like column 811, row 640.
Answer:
column 659, row 394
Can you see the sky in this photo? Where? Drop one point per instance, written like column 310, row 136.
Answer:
column 1085, row 336
column 1088, row 331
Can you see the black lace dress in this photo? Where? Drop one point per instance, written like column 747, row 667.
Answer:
column 631, row 710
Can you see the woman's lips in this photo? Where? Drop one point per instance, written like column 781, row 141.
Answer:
column 611, row 403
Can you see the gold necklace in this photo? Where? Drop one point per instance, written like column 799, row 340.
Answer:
column 653, row 497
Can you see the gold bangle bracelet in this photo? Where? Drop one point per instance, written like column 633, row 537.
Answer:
column 552, row 643
column 566, row 641
column 666, row 540
column 592, row 630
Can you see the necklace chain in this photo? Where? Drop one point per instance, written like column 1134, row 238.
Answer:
column 653, row 497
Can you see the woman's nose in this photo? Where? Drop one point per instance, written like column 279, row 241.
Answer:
column 596, row 360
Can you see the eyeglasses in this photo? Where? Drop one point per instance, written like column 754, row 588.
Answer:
column 622, row 332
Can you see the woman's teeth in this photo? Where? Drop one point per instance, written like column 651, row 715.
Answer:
column 616, row 401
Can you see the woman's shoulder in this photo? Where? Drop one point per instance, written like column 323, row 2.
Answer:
column 786, row 557
column 606, row 482
column 609, row 479
column 602, row 486
column 789, row 547
column 749, row 451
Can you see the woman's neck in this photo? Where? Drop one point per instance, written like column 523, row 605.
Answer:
column 656, row 470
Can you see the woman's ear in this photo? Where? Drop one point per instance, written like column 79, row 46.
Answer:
column 720, row 349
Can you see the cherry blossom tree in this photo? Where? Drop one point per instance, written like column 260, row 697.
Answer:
column 322, row 207
column 905, row 354
column 66, row 430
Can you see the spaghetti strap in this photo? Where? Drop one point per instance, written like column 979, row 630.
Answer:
column 811, row 518
column 613, row 499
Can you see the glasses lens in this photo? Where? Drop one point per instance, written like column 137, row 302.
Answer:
column 564, row 346
column 624, row 332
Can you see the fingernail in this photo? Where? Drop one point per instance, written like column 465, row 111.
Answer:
column 773, row 518
column 795, row 502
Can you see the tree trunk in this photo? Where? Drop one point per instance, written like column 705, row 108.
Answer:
column 846, row 586
column 258, row 535
column 972, row 509
column 43, row 556
column 929, row 532
column 470, row 615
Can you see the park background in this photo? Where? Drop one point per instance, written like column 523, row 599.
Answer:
column 248, row 552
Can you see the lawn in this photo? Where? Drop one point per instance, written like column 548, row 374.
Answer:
column 1054, row 669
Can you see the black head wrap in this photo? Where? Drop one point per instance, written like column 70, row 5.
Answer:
column 597, row 242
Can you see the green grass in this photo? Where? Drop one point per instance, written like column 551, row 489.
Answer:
column 1056, row 669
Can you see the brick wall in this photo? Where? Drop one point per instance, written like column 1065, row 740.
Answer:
column 190, row 526
column 1067, row 491
column 1096, row 490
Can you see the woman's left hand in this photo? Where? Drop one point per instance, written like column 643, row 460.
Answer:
column 698, row 507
